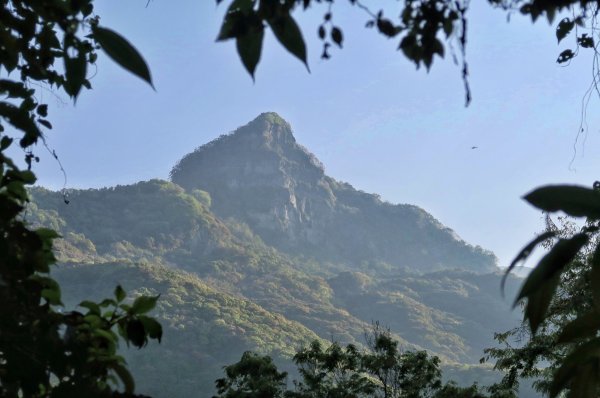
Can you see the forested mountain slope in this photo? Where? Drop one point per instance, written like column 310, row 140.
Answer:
column 203, row 327
column 260, row 175
column 238, row 266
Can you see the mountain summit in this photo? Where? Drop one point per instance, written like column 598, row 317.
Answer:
column 261, row 176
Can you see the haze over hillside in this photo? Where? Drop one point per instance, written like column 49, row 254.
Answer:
column 253, row 247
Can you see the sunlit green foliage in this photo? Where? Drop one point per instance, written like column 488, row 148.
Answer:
column 572, row 268
column 538, row 356
column 40, row 356
column 333, row 371
column 241, row 294
column 203, row 328
column 229, row 255
column 160, row 216
column 202, row 197
column 252, row 377
column 46, row 350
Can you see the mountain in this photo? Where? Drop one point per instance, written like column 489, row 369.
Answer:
column 261, row 176
column 235, row 259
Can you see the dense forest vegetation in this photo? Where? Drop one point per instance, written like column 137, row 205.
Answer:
column 225, row 291
column 46, row 350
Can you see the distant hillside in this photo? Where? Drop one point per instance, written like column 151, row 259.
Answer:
column 118, row 225
column 231, row 281
column 203, row 328
column 261, row 176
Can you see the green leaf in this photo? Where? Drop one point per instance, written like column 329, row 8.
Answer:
column 27, row 177
column 152, row 327
column 120, row 293
column 564, row 28
column 595, row 277
column 5, row 142
column 91, row 306
column 42, row 110
column 525, row 253
column 584, row 326
column 337, row 36
column 538, row 303
column 321, row 32
column 565, row 56
column 52, row 296
column 108, row 302
column 550, row 13
column 288, row 33
column 136, row 333
column 387, row 28
column 93, row 320
column 45, row 123
column 448, row 27
column 50, row 289
column 437, row 48
column 125, row 377
column 585, row 383
column 122, row 52
column 237, row 14
column 11, row 50
column 541, row 284
column 552, row 263
column 249, row 47
column 143, row 304
column 13, row 89
column 574, row 200
column 28, row 104
column 585, row 41
column 573, row 364
column 17, row 190
column 106, row 335
column 75, row 72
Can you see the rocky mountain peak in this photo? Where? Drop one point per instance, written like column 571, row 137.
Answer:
column 262, row 151
column 267, row 131
column 272, row 127
column 261, row 176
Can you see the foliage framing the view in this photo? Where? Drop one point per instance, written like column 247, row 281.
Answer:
column 45, row 352
column 240, row 294
column 522, row 355
column 423, row 28
column 30, row 46
column 563, row 332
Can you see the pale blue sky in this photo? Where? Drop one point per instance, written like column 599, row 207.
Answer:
column 367, row 114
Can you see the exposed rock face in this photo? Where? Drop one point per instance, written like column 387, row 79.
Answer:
column 260, row 175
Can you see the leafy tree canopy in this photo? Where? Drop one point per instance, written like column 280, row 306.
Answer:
column 423, row 29
column 45, row 351
column 52, row 43
column 252, row 377
column 383, row 370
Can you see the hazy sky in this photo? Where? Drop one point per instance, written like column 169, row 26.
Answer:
column 368, row 115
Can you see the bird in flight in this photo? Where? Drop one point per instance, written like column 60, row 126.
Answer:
column 474, row 147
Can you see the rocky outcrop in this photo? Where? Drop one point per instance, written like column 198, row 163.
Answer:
column 261, row 176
